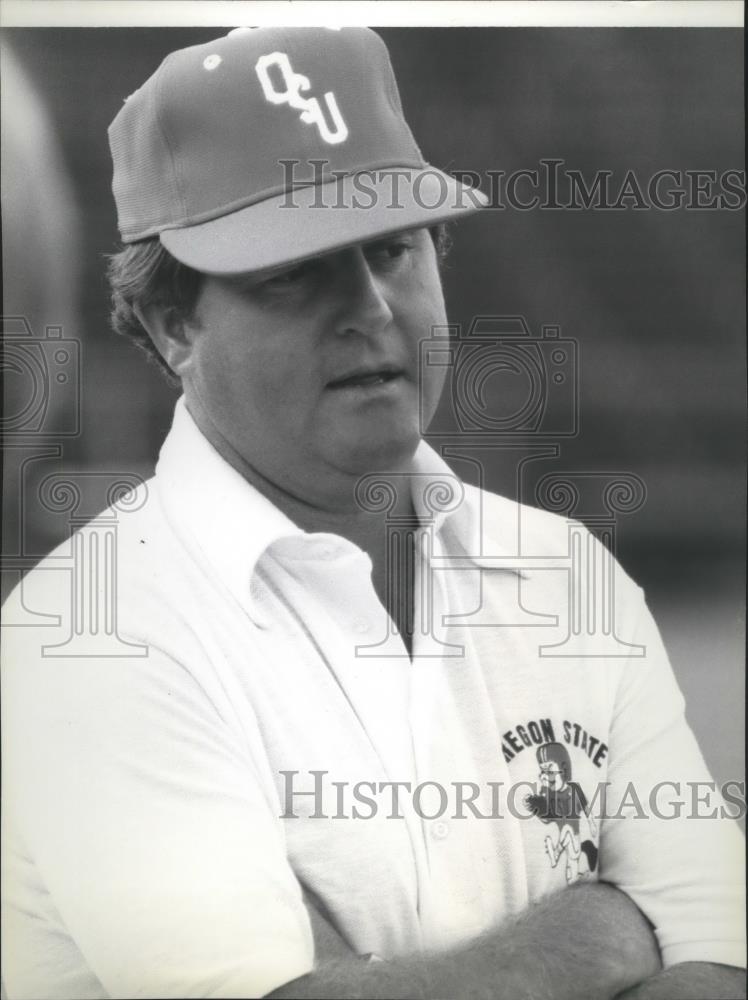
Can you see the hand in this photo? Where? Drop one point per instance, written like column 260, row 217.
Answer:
column 691, row 981
column 534, row 803
column 588, row 942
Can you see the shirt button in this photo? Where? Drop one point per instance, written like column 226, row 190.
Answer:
column 361, row 626
column 440, row 830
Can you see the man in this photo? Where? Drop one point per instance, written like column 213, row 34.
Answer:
column 222, row 805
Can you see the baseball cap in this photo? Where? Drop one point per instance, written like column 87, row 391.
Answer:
column 270, row 145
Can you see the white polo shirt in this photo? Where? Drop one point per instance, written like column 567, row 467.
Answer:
column 170, row 789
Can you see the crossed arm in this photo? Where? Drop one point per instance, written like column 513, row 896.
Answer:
column 588, row 942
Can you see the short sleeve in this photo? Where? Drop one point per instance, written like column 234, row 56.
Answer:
column 669, row 840
column 149, row 829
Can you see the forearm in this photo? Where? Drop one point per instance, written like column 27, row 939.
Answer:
column 585, row 943
column 691, row 981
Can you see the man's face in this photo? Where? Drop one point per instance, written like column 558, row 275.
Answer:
column 552, row 776
column 313, row 370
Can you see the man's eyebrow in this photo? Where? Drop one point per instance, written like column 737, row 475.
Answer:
column 257, row 277
column 390, row 237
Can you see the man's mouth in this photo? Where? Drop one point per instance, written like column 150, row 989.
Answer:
column 364, row 378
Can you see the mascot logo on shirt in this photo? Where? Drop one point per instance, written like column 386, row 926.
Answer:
column 561, row 803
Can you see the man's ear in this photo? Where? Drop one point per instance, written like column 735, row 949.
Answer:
column 172, row 335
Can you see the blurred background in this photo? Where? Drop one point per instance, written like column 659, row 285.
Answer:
column 653, row 299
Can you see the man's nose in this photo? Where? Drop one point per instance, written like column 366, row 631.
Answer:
column 364, row 307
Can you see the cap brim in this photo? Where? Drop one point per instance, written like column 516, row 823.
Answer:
column 318, row 219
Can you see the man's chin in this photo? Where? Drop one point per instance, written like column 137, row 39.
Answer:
column 392, row 454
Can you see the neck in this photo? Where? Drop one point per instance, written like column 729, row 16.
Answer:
column 336, row 511
column 365, row 528
column 342, row 514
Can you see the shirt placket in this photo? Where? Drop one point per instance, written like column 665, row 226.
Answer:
column 370, row 663
column 475, row 873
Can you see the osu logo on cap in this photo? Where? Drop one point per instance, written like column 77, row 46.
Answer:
column 295, row 83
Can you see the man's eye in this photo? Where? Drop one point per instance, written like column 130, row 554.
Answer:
column 389, row 250
column 397, row 249
column 291, row 277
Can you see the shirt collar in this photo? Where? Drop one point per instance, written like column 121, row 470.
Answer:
column 213, row 508
column 229, row 524
column 467, row 528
